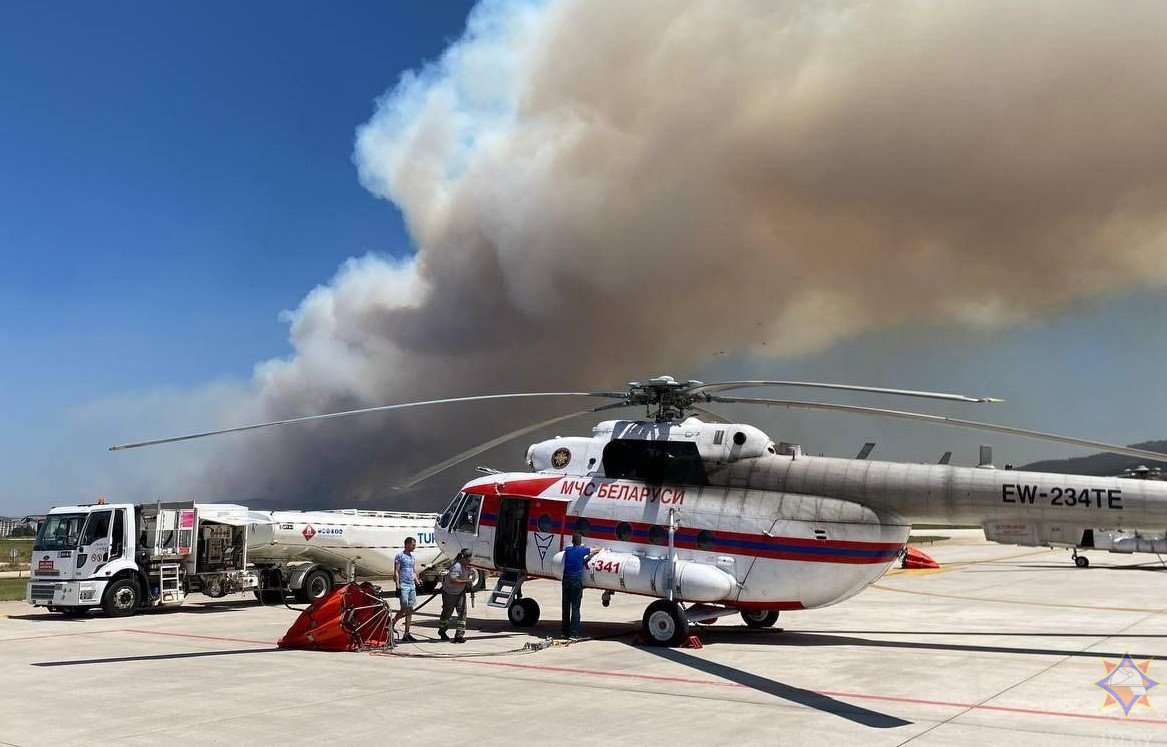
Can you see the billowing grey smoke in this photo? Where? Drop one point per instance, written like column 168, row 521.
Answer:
column 601, row 190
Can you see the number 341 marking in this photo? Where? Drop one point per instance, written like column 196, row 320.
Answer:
column 601, row 566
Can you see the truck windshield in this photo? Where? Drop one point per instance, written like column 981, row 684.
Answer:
column 59, row 532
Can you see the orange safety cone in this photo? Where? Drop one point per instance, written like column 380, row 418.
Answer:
column 914, row 558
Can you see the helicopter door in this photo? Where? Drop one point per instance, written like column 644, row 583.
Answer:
column 510, row 535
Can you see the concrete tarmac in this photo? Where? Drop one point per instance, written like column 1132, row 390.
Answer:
column 1002, row 645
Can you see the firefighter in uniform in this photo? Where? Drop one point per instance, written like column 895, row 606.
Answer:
column 454, row 588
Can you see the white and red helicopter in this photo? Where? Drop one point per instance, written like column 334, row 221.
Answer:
column 715, row 518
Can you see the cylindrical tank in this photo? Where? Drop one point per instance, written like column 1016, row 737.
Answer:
column 1138, row 543
column 637, row 574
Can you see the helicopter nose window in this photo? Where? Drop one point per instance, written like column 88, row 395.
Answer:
column 623, row 531
column 658, row 535
column 468, row 515
column 582, row 526
column 705, row 540
column 451, row 511
column 544, row 524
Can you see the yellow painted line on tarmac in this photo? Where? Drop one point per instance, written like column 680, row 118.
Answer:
column 919, row 571
column 945, row 568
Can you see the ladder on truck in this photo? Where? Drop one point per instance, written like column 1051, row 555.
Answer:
column 505, row 590
column 169, row 584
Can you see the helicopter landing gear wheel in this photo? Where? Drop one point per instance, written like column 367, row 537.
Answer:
column 760, row 618
column 665, row 623
column 523, row 613
column 1081, row 561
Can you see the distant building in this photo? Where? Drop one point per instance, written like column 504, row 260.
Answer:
column 8, row 523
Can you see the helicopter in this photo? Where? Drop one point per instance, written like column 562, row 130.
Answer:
column 712, row 518
column 1126, row 540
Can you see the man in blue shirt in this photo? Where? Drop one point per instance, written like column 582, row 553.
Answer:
column 575, row 559
column 406, row 586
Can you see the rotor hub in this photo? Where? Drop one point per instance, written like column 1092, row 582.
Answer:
column 664, row 398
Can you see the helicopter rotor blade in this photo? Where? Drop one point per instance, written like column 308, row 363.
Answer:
column 941, row 420
column 612, row 406
column 709, row 414
column 363, row 410
column 457, row 459
column 725, row 386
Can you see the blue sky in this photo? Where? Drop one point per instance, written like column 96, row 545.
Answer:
column 173, row 177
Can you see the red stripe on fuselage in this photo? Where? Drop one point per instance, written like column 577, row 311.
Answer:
column 522, row 488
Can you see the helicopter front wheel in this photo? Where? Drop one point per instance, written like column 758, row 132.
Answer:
column 523, row 613
column 665, row 623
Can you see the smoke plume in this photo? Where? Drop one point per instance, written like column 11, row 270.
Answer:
column 603, row 191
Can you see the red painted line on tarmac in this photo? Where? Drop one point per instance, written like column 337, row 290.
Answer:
column 135, row 630
column 192, row 635
column 56, row 635
column 828, row 693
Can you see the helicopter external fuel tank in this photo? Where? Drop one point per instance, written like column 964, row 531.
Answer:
column 639, row 574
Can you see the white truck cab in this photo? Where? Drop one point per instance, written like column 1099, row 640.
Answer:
column 123, row 557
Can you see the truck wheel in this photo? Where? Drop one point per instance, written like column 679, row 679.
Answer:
column 665, row 623
column 269, row 596
column 317, row 584
column 760, row 618
column 121, row 598
column 523, row 613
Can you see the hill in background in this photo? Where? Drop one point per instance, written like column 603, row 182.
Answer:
column 1099, row 464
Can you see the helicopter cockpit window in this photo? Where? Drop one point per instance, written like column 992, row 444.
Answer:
column 655, row 462
column 468, row 515
column 451, row 510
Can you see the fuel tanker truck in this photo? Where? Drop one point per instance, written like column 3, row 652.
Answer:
column 127, row 557
column 307, row 552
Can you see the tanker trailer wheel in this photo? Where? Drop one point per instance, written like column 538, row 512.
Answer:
column 760, row 618
column 317, row 584
column 523, row 613
column 121, row 598
column 665, row 623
